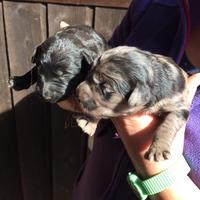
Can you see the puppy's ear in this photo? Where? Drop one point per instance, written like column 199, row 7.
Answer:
column 139, row 96
column 87, row 56
column 134, row 97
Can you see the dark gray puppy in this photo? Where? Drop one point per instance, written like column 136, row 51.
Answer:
column 127, row 80
column 62, row 62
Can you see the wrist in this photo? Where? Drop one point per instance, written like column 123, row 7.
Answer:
column 159, row 182
column 146, row 169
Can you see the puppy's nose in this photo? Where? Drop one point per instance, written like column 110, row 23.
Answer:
column 81, row 96
column 46, row 96
column 89, row 105
column 86, row 101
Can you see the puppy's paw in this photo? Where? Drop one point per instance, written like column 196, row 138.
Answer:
column 158, row 152
column 11, row 82
column 17, row 83
column 87, row 126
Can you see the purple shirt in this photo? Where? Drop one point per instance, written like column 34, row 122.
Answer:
column 160, row 27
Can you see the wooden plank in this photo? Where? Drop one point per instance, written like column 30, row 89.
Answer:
column 70, row 14
column 10, row 187
column 5, row 97
column 25, row 28
column 104, row 3
column 112, row 18
column 68, row 142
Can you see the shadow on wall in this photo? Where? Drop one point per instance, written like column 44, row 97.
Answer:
column 39, row 154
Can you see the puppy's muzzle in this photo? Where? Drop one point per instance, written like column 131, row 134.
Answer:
column 83, row 94
column 48, row 95
column 45, row 95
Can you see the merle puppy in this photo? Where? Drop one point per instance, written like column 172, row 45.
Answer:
column 62, row 62
column 127, row 80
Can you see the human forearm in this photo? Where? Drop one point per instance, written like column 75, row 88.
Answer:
column 137, row 138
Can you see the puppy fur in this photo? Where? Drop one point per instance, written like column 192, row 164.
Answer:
column 127, row 80
column 62, row 62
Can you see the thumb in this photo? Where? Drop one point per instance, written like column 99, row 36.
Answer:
column 192, row 84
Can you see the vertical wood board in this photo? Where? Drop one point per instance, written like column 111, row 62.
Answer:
column 72, row 15
column 25, row 29
column 107, row 19
column 5, row 96
column 10, row 187
column 67, row 139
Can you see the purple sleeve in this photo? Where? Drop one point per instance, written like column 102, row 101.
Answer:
column 123, row 31
column 139, row 21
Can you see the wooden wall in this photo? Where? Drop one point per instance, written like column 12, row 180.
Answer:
column 41, row 148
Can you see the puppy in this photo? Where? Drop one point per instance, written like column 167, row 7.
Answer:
column 127, row 80
column 62, row 62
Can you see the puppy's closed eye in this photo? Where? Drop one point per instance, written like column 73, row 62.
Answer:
column 106, row 90
column 97, row 78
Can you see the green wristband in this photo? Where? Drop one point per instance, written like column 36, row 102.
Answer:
column 158, row 182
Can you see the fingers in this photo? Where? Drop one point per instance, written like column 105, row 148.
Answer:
column 194, row 80
column 193, row 83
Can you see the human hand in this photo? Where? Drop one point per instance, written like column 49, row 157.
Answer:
column 136, row 132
